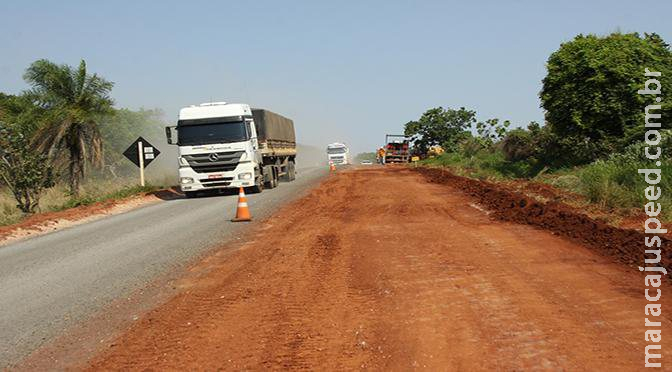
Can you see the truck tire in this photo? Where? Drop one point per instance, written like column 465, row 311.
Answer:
column 290, row 175
column 273, row 182
column 257, row 188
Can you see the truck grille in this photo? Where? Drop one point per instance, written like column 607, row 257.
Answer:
column 214, row 162
column 216, row 182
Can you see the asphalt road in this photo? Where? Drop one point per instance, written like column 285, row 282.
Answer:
column 51, row 282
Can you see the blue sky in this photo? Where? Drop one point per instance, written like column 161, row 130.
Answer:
column 347, row 71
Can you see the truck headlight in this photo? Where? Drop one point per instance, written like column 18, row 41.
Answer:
column 245, row 176
column 183, row 162
column 185, row 180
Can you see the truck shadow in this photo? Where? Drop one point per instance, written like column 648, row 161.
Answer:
column 174, row 193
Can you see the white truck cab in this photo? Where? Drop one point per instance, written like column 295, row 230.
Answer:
column 219, row 147
column 338, row 153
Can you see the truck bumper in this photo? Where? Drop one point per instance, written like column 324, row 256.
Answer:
column 338, row 161
column 242, row 176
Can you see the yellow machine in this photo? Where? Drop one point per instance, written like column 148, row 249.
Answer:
column 434, row 151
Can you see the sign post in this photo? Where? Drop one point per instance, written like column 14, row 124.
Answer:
column 141, row 153
column 141, row 160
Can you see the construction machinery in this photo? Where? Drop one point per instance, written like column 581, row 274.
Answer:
column 397, row 148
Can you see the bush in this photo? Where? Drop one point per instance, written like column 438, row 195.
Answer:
column 470, row 146
column 519, row 145
column 483, row 164
column 616, row 184
column 25, row 172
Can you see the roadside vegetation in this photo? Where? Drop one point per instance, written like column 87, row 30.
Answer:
column 362, row 156
column 61, row 143
column 592, row 142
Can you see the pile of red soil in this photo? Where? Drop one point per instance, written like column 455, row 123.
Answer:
column 626, row 245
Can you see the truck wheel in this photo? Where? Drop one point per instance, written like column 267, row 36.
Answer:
column 273, row 182
column 292, row 171
column 290, row 174
column 257, row 188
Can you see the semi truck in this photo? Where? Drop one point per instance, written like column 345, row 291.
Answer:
column 230, row 145
column 397, row 148
column 338, row 153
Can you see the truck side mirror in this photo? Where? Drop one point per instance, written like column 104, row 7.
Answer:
column 169, row 135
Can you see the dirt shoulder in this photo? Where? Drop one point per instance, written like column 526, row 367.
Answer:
column 511, row 202
column 381, row 269
column 43, row 223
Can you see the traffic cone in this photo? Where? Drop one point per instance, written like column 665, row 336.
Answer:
column 332, row 167
column 242, row 212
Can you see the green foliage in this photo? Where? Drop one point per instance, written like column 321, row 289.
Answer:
column 483, row 164
column 612, row 183
column 67, row 112
column 590, row 92
column 21, row 112
column 439, row 126
column 120, row 129
column 541, row 148
column 615, row 183
column 74, row 102
column 23, row 170
column 366, row 156
column 491, row 131
column 521, row 145
column 592, row 143
column 470, row 146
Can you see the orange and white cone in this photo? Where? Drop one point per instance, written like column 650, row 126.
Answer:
column 242, row 212
column 332, row 167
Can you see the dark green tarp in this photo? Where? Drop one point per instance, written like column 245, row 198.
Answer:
column 273, row 127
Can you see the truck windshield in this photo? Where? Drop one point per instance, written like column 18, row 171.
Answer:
column 205, row 134
column 337, row 150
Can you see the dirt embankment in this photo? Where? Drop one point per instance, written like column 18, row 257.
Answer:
column 505, row 203
column 379, row 269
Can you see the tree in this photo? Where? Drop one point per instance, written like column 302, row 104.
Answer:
column 590, row 91
column 25, row 172
column 439, row 126
column 491, row 131
column 75, row 101
column 121, row 128
column 21, row 112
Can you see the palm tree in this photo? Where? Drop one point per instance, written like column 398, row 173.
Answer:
column 74, row 102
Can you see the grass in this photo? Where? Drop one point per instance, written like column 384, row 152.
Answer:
column 57, row 198
column 612, row 185
column 482, row 165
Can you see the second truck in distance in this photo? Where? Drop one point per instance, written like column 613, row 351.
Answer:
column 230, row 145
column 338, row 153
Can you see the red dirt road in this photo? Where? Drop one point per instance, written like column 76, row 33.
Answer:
column 380, row 269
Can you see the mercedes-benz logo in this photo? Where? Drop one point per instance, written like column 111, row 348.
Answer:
column 213, row 157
